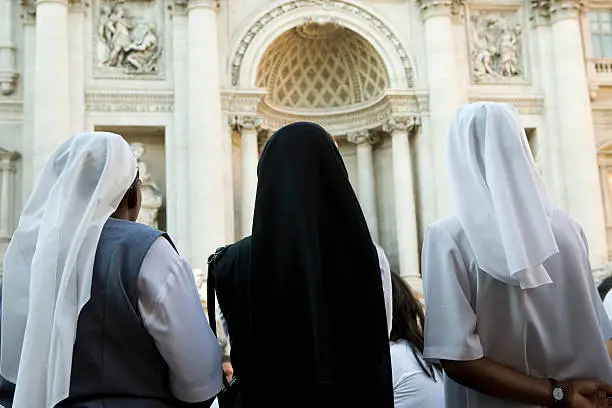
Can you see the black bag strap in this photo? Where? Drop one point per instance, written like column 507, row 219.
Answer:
column 210, row 288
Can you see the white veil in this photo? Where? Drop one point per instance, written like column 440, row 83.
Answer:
column 499, row 195
column 49, row 263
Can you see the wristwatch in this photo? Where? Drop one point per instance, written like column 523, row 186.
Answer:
column 559, row 393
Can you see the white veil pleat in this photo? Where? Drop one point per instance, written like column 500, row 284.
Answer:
column 499, row 196
column 48, row 264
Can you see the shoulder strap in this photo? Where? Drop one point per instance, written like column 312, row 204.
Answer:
column 210, row 288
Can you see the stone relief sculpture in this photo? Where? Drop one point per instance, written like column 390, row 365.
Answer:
column 126, row 43
column 151, row 195
column 496, row 47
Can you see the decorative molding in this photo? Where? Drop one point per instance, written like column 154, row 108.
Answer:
column 138, row 102
column 363, row 137
column 524, row 104
column 247, row 122
column 241, row 102
column 407, row 103
column 7, row 159
column 431, row 8
column 408, row 124
column 11, row 110
column 192, row 4
column 562, row 9
column 285, row 8
column 28, row 12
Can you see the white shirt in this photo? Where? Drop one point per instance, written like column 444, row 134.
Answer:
column 552, row 331
column 411, row 387
column 607, row 302
column 172, row 313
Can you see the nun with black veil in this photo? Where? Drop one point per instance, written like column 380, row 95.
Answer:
column 305, row 288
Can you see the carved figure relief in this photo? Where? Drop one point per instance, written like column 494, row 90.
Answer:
column 152, row 199
column 128, row 40
column 496, row 47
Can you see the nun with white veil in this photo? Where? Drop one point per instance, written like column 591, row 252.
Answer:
column 513, row 314
column 98, row 310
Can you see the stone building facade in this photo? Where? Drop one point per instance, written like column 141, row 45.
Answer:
column 197, row 86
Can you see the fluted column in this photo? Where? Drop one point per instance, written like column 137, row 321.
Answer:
column 52, row 114
column 76, row 18
column 207, row 203
column 577, row 139
column 400, row 129
column 444, row 89
column 7, row 170
column 366, row 183
column 8, row 66
column 248, row 127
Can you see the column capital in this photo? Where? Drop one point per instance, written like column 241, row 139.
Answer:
column 432, row 8
column 7, row 159
column 402, row 124
column 363, row 137
column 248, row 122
column 193, row 4
column 564, row 9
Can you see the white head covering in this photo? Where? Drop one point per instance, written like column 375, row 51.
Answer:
column 499, row 195
column 385, row 275
column 49, row 263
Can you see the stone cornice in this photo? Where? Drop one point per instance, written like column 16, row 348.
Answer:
column 242, row 102
column 11, row 110
column 136, row 102
column 524, row 104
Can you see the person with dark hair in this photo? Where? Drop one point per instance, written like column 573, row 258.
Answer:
column 99, row 310
column 415, row 383
column 604, row 287
column 306, row 278
column 513, row 313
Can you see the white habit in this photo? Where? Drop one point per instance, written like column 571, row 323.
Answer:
column 508, row 277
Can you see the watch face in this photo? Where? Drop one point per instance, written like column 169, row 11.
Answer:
column 558, row 394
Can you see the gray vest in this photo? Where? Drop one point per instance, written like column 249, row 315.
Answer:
column 115, row 361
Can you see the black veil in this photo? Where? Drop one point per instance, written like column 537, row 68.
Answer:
column 317, row 330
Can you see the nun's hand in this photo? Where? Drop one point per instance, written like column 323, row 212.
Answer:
column 589, row 394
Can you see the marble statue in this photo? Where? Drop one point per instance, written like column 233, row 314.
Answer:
column 131, row 47
column 496, row 47
column 151, row 194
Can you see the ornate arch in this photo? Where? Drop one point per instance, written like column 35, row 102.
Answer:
column 264, row 29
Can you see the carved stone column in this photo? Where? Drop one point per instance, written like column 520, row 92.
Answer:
column 8, row 67
column 178, row 209
column 576, row 138
column 248, row 127
column 366, row 183
column 76, row 19
column 52, row 115
column 7, row 198
column 400, row 129
column 549, row 153
column 7, row 173
column 207, row 206
column 444, row 90
column 28, row 18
